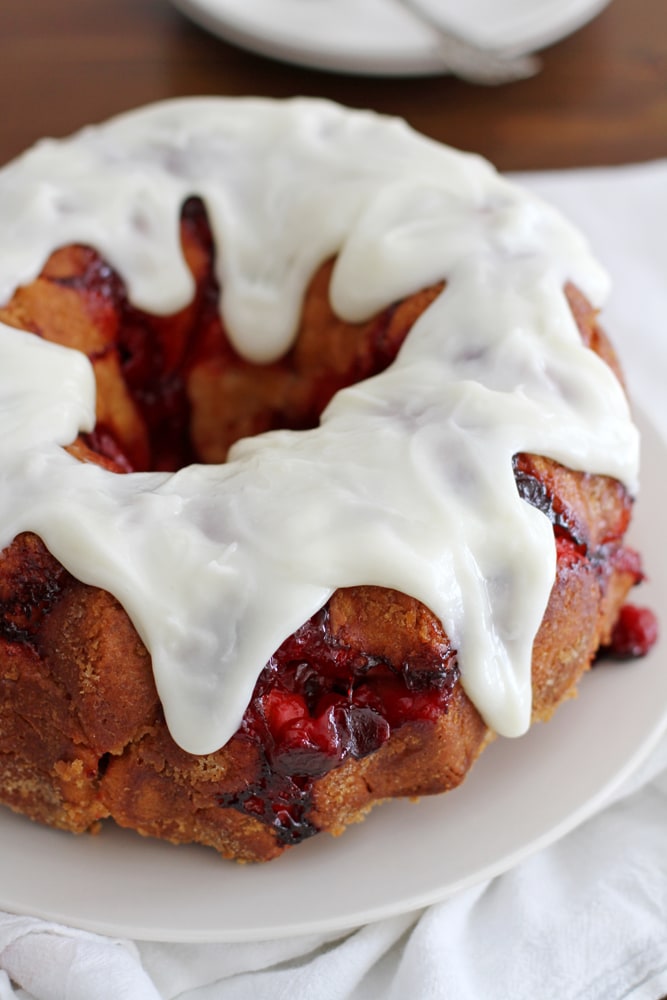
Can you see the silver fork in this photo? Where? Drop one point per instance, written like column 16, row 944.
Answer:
column 469, row 61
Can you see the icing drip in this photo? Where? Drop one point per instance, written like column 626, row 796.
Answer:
column 407, row 482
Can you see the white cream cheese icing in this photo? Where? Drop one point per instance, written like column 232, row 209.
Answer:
column 407, row 482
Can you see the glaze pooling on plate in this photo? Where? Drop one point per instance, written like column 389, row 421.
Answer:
column 407, row 482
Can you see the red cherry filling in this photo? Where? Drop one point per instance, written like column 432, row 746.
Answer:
column 318, row 702
column 634, row 634
column 145, row 350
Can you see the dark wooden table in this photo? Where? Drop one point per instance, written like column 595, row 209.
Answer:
column 601, row 97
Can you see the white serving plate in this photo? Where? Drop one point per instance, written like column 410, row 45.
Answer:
column 380, row 36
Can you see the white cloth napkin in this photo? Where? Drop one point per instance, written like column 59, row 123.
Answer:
column 584, row 919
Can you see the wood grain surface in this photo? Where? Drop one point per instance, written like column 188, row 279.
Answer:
column 601, row 97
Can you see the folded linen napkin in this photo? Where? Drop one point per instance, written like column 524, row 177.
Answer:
column 583, row 919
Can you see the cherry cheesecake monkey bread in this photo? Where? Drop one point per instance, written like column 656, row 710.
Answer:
column 316, row 470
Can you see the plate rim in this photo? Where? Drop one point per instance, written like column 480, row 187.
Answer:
column 418, row 56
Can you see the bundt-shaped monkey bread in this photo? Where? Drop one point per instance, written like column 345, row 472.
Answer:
column 324, row 484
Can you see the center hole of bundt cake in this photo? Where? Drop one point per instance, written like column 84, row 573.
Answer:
column 173, row 390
